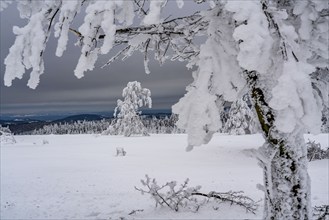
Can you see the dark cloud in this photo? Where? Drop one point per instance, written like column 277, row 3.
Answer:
column 60, row 90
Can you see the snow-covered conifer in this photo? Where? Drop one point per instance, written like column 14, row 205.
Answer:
column 128, row 121
column 240, row 119
column 6, row 137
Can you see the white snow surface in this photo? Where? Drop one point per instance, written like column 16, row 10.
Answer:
column 79, row 176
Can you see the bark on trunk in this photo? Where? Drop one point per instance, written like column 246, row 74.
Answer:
column 284, row 160
column 286, row 182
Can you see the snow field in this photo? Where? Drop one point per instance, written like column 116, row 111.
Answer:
column 79, row 176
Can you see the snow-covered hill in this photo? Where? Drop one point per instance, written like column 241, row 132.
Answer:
column 79, row 176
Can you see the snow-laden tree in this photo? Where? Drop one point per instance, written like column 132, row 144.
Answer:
column 240, row 119
column 128, row 121
column 268, row 48
column 6, row 136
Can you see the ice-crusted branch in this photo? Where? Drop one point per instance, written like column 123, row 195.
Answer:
column 157, row 37
column 28, row 49
column 233, row 198
column 321, row 212
column 186, row 197
column 68, row 12
column 106, row 21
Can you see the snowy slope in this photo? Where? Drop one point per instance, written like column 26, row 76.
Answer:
column 79, row 176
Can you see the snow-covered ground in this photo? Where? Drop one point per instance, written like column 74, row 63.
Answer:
column 79, row 176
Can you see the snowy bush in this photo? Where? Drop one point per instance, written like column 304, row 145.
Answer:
column 314, row 151
column 6, row 136
column 127, row 116
column 176, row 197
column 168, row 195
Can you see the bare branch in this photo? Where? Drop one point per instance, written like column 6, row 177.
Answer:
column 76, row 32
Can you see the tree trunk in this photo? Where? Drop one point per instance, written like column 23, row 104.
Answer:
column 283, row 158
column 287, row 184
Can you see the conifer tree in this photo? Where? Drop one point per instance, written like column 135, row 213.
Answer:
column 240, row 119
column 127, row 116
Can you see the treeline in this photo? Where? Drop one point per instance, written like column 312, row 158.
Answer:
column 153, row 124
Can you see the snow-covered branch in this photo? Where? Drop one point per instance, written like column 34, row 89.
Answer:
column 320, row 212
column 158, row 37
column 28, row 49
column 186, row 197
column 233, row 198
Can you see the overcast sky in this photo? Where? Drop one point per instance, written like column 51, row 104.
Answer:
column 60, row 91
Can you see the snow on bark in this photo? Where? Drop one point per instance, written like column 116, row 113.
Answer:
column 27, row 8
column 252, row 34
column 320, row 81
column 202, row 128
column 284, row 100
column 96, row 12
column 108, row 27
column 68, row 11
column 216, row 62
column 287, row 184
column 301, row 108
column 26, row 53
column 290, row 76
column 154, row 15
column 125, row 12
column 100, row 16
column 313, row 30
column 300, row 105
